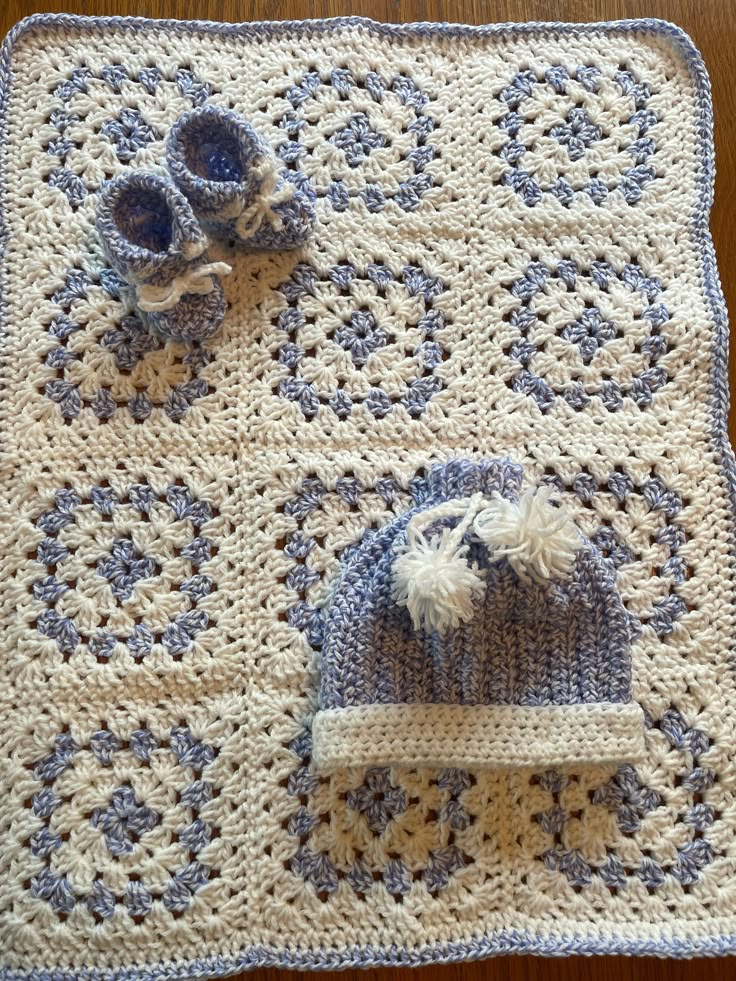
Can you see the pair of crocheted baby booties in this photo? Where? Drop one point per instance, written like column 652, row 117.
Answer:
column 223, row 181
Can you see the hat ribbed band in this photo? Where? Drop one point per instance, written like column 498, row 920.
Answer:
column 478, row 736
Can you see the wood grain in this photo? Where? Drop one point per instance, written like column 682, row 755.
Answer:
column 712, row 26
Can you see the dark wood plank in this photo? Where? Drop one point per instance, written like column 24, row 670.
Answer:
column 712, row 25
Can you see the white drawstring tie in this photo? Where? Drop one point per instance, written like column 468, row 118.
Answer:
column 249, row 220
column 157, row 299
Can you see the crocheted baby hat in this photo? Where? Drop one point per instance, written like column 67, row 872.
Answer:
column 478, row 629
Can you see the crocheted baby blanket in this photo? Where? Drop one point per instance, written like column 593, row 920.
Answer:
column 511, row 260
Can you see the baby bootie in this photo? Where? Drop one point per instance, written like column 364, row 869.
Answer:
column 155, row 243
column 236, row 185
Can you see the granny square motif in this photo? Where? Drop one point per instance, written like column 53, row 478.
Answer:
column 510, row 283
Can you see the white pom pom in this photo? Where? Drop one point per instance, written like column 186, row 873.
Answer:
column 433, row 580
column 538, row 540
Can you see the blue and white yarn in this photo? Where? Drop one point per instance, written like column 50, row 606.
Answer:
column 156, row 245
column 540, row 676
column 177, row 722
column 76, row 521
column 235, row 183
column 123, row 820
column 576, row 134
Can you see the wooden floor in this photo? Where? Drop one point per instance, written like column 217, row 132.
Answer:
column 712, row 25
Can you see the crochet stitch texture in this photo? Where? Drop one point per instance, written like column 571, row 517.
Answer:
column 538, row 675
column 510, row 260
column 154, row 243
column 236, row 184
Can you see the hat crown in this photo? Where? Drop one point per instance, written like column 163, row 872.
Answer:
column 462, row 478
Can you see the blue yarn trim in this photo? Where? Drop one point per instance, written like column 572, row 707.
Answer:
column 506, row 942
column 502, row 942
